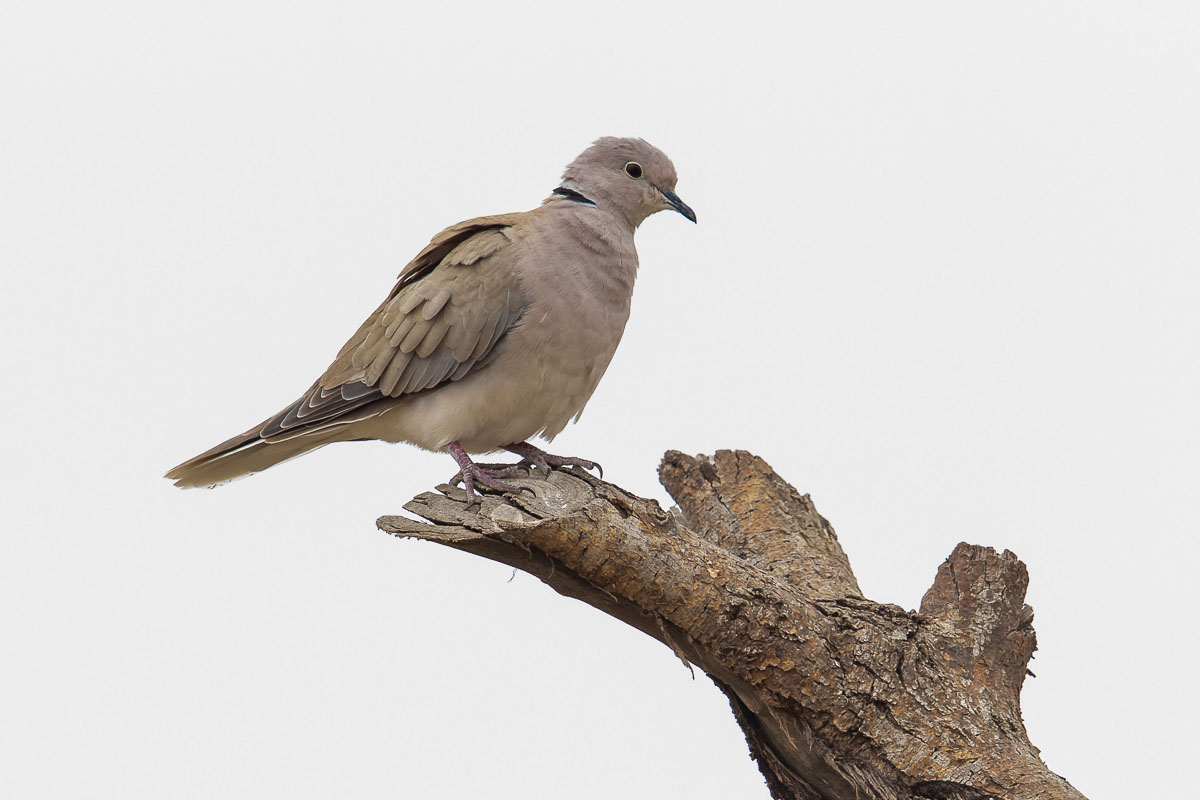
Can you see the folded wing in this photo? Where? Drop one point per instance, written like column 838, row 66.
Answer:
column 444, row 318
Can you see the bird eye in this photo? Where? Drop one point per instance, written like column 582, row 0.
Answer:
column 633, row 169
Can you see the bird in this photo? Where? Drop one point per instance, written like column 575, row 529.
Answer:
column 497, row 332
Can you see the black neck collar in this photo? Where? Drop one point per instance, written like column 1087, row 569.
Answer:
column 573, row 196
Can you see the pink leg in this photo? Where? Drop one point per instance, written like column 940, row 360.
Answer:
column 473, row 474
column 540, row 458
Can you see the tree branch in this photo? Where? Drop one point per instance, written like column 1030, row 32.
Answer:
column 838, row 696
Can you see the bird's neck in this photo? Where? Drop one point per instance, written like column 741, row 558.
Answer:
column 580, row 227
column 596, row 196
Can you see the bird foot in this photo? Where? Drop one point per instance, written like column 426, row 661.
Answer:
column 537, row 457
column 491, row 476
column 504, row 470
column 488, row 476
column 492, row 472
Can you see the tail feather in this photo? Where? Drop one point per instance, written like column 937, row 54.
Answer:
column 245, row 454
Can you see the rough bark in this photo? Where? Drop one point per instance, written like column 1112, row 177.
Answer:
column 838, row 696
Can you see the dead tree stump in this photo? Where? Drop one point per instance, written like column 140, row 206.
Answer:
column 839, row 697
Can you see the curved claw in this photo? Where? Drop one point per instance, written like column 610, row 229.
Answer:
column 474, row 499
column 582, row 463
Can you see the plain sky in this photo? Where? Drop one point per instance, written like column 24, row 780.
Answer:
column 945, row 279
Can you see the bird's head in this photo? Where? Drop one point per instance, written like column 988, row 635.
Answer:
column 629, row 177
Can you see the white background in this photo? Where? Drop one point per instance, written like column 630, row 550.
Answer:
column 945, row 279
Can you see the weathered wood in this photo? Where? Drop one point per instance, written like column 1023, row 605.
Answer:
column 838, row 696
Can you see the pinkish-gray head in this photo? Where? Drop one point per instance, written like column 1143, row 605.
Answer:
column 629, row 177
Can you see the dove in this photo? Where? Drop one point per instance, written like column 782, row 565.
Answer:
column 496, row 333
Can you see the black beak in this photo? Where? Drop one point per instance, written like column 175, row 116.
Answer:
column 674, row 202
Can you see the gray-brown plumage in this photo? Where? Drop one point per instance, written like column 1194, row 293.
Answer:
column 498, row 331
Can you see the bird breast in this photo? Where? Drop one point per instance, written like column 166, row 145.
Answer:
column 546, row 367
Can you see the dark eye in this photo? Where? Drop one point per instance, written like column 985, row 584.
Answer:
column 633, row 169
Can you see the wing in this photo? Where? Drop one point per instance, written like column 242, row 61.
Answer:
column 450, row 307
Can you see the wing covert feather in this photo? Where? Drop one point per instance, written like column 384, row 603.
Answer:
column 447, row 311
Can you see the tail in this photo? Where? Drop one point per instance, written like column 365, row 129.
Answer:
column 245, row 454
